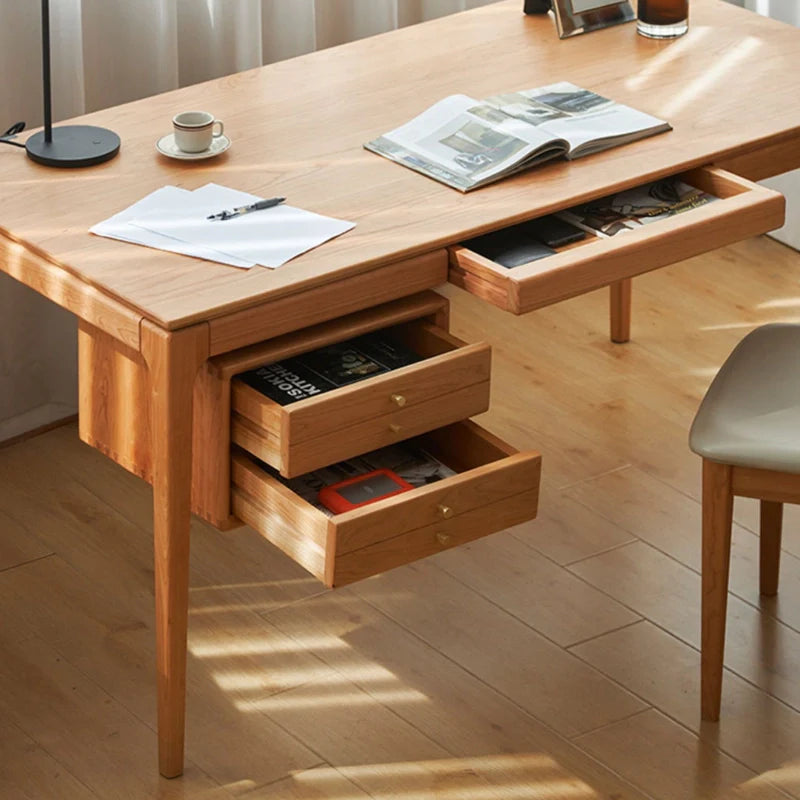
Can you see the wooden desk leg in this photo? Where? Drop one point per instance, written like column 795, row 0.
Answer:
column 173, row 360
column 717, row 521
column 620, row 310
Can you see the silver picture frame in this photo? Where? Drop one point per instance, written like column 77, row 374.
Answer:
column 583, row 16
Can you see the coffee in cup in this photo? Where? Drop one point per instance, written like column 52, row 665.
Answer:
column 194, row 130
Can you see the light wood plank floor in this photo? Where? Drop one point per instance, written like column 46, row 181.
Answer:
column 555, row 660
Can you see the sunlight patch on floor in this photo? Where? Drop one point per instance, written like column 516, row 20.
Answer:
column 316, row 701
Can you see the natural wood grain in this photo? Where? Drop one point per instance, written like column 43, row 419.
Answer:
column 115, row 414
column 327, row 302
column 669, row 762
column 704, row 86
column 418, row 306
column 449, row 384
column 620, row 310
column 663, row 671
column 760, row 162
column 717, row 521
column 173, row 361
column 743, row 209
column 481, row 729
column 69, row 291
column 493, row 490
column 500, row 650
column 770, row 550
column 766, row 484
column 549, row 599
column 465, row 671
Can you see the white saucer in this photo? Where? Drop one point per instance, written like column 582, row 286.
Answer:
column 166, row 146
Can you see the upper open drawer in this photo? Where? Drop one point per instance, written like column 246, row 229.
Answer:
column 743, row 209
column 449, row 382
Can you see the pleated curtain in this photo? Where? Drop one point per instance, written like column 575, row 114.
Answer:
column 107, row 52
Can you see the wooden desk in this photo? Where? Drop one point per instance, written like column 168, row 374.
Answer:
column 152, row 320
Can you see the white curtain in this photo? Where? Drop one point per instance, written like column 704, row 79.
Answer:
column 106, row 52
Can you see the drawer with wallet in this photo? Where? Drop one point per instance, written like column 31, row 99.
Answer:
column 543, row 261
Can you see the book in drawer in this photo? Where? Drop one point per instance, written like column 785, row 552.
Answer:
column 448, row 383
column 494, row 488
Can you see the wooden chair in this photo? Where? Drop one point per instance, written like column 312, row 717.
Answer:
column 748, row 432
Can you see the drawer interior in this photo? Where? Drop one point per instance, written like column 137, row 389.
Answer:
column 448, row 381
column 740, row 209
column 488, row 486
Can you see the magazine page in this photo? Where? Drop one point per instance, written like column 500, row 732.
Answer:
column 465, row 143
column 588, row 121
column 635, row 207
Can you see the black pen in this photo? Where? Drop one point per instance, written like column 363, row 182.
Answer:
column 237, row 212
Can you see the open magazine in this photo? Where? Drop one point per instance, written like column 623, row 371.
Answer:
column 635, row 207
column 468, row 143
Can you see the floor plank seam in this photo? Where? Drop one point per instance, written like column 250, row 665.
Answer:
column 591, row 477
column 760, row 609
column 727, row 668
column 603, row 552
column 56, row 760
column 26, row 563
column 619, row 628
column 522, row 709
column 697, row 734
column 608, row 770
column 528, row 625
column 578, row 736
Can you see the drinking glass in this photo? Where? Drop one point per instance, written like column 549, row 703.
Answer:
column 663, row 19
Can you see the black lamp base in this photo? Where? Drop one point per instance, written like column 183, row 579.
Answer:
column 73, row 146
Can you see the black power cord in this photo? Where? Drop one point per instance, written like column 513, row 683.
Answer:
column 6, row 137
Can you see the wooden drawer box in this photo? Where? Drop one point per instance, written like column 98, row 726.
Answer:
column 451, row 383
column 113, row 398
column 495, row 487
column 744, row 209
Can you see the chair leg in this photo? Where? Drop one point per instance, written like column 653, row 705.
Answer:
column 620, row 310
column 770, row 556
column 717, row 520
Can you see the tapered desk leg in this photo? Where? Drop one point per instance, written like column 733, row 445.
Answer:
column 620, row 310
column 173, row 360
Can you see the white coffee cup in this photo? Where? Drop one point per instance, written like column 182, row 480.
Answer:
column 194, row 130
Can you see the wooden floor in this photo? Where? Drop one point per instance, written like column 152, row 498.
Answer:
column 555, row 660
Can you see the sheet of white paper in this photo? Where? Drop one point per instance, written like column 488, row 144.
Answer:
column 167, row 198
column 270, row 237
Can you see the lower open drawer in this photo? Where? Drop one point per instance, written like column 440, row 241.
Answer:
column 495, row 487
column 742, row 209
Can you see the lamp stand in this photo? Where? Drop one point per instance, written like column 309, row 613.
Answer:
column 67, row 145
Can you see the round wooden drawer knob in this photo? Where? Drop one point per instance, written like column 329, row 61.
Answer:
column 443, row 538
column 395, row 428
column 445, row 512
column 399, row 400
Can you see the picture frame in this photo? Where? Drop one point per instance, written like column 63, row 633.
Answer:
column 583, row 16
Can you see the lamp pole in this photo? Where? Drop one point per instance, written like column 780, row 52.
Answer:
column 66, row 145
column 48, row 107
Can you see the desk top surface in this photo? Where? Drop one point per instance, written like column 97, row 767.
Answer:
column 730, row 85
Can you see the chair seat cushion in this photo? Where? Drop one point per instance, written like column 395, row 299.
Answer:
column 750, row 416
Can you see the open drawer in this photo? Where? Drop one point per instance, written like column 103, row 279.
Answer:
column 450, row 383
column 743, row 209
column 495, row 487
